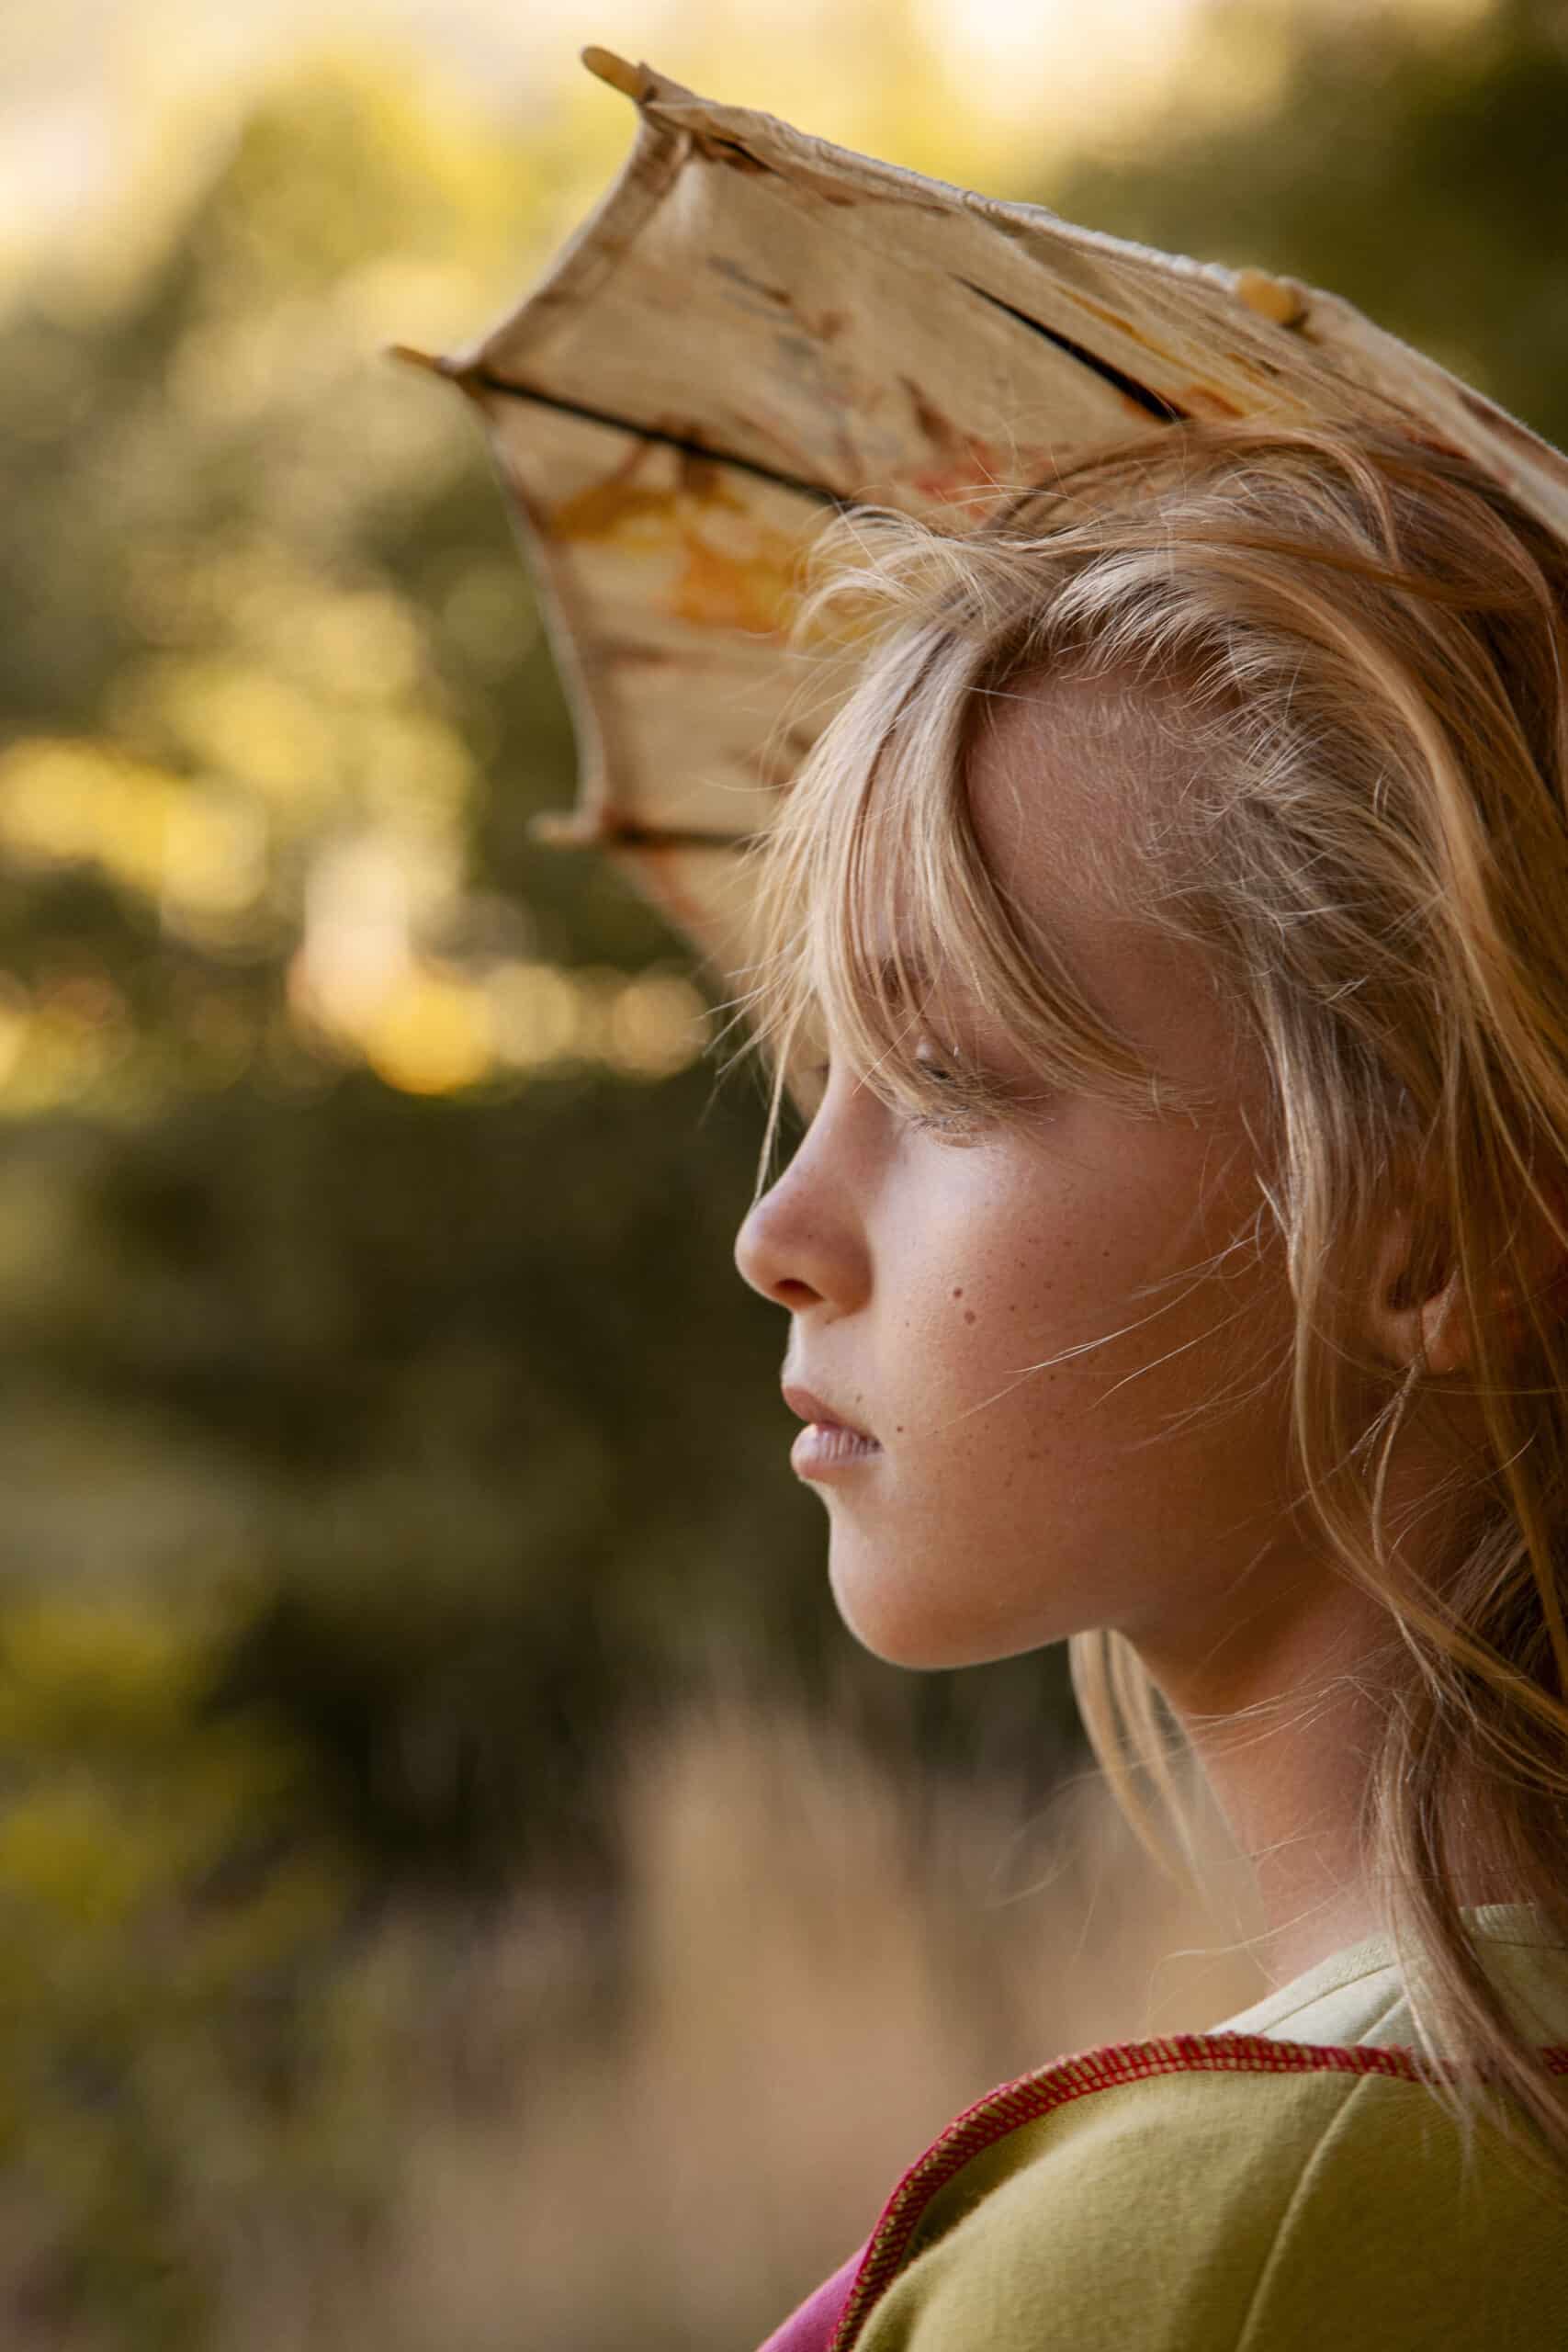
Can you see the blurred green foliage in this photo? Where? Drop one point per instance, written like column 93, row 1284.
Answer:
column 172, row 1926
column 386, row 1435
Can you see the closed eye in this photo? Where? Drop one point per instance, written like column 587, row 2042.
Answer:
column 944, row 1070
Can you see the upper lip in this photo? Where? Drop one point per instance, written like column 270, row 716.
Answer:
column 815, row 1409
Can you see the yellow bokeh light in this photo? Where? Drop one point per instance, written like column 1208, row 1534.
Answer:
column 535, row 1012
column 243, row 721
column 409, row 765
column 431, row 1036
column 377, row 301
column 364, row 645
column 215, row 856
column 433, row 1030
column 64, row 802
column 14, row 1016
column 656, row 1025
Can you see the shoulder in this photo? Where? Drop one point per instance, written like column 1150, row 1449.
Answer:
column 1212, row 2193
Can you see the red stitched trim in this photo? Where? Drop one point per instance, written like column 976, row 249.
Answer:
column 1032, row 2095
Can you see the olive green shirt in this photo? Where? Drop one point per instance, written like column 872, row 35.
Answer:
column 1286, row 2183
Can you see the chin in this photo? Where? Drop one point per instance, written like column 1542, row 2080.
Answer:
column 904, row 1628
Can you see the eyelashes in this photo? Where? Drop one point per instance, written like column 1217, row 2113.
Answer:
column 956, row 1124
column 959, row 1121
column 942, row 1071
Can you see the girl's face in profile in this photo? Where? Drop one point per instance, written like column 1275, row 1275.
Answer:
column 1059, row 1338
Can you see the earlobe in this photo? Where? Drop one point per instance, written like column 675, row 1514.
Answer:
column 1444, row 1332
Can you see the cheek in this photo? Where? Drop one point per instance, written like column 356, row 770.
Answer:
column 1006, row 1281
column 1062, row 1452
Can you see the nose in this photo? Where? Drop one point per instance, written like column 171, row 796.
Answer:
column 802, row 1243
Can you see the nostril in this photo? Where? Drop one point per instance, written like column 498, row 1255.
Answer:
column 801, row 1245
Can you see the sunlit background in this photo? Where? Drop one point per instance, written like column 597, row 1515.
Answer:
column 459, row 1882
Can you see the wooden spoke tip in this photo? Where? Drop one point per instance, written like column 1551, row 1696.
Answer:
column 1283, row 299
column 630, row 80
column 416, row 359
column 566, row 828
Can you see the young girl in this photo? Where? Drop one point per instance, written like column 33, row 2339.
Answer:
column 1167, row 942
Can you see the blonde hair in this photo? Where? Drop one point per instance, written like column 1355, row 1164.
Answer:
column 1352, row 642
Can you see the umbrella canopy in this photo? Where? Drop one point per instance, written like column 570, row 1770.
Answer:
column 755, row 330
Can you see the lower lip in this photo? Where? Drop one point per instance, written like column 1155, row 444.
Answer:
column 823, row 1449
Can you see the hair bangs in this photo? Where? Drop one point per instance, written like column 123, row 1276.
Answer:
column 885, row 941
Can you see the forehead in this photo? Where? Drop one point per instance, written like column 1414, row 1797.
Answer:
column 1061, row 777
column 1062, row 781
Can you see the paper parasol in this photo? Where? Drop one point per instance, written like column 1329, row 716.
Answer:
column 756, row 329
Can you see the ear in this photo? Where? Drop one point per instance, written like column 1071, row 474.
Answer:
column 1420, row 1312
column 1416, row 1317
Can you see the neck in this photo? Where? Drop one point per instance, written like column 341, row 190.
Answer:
column 1284, row 1704
column 1286, row 1737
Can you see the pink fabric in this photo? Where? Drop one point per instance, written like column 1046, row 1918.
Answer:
column 813, row 2326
